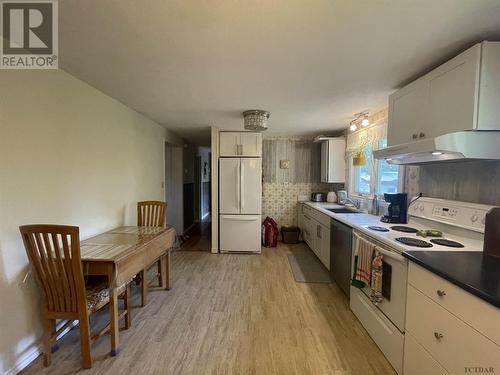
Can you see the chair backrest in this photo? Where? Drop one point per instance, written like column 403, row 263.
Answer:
column 151, row 213
column 54, row 252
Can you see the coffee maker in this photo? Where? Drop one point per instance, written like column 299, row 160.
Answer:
column 397, row 210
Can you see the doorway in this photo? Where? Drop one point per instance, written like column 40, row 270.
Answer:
column 197, row 235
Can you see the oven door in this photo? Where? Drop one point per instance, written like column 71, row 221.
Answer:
column 394, row 278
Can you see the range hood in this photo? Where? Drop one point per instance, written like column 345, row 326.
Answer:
column 460, row 146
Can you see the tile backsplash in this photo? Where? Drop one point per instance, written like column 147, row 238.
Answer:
column 282, row 186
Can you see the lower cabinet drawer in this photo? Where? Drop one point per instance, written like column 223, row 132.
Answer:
column 418, row 361
column 453, row 343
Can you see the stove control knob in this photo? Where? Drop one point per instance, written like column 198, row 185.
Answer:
column 474, row 218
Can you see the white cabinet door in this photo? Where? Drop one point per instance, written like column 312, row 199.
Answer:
column 229, row 186
column 325, row 246
column 229, row 143
column 240, row 233
column 418, row 361
column 333, row 161
column 452, row 342
column 251, row 186
column 324, row 161
column 453, row 94
column 408, row 113
column 251, row 144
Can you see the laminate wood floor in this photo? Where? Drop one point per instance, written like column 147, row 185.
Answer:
column 232, row 314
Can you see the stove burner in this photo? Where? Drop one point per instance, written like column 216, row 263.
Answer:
column 377, row 228
column 444, row 242
column 400, row 228
column 413, row 242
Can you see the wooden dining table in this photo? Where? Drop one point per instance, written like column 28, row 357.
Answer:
column 122, row 253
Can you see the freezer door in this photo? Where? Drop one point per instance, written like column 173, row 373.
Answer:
column 240, row 233
column 229, row 185
column 251, row 186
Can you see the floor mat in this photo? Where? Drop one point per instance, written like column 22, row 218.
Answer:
column 307, row 268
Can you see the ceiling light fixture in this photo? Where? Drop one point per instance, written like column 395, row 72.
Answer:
column 359, row 118
column 365, row 121
column 353, row 127
column 256, row 119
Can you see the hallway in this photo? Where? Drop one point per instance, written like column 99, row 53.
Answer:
column 199, row 237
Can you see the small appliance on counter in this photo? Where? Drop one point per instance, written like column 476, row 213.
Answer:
column 397, row 210
column 342, row 196
column 318, row 197
column 331, row 197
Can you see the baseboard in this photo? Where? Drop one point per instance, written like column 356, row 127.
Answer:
column 35, row 351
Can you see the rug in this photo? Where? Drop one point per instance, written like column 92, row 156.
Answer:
column 306, row 267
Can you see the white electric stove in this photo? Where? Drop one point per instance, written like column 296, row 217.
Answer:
column 460, row 227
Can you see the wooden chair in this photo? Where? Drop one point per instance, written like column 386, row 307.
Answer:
column 54, row 253
column 150, row 214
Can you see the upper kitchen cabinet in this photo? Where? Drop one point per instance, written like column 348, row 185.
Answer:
column 333, row 160
column 240, row 144
column 406, row 114
column 462, row 94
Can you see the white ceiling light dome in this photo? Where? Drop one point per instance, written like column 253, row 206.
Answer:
column 256, row 119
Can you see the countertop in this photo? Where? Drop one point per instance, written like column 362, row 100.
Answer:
column 472, row 271
column 469, row 270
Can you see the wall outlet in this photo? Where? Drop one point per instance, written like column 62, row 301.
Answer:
column 284, row 164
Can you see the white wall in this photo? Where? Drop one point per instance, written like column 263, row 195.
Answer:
column 70, row 155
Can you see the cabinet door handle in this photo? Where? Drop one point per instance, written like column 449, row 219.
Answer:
column 318, row 231
column 307, row 217
column 422, row 135
column 414, row 136
column 440, row 293
column 438, row 335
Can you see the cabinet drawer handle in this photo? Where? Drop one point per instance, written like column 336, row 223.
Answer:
column 414, row 136
column 440, row 293
column 422, row 135
column 438, row 335
column 307, row 217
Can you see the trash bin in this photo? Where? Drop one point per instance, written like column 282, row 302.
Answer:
column 290, row 234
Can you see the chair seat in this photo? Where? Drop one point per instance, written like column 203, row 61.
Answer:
column 97, row 293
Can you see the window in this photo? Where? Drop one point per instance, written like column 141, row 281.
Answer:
column 363, row 173
column 376, row 176
column 387, row 174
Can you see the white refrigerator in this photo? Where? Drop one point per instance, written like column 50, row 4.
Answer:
column 240, row 191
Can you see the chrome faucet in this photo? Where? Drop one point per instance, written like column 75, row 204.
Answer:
column 353, row 202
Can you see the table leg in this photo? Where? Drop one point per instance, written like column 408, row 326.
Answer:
column 166, row 279
column 144, row 287
column 113, row 317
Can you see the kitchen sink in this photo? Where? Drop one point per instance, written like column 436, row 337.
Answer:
column 343, row 211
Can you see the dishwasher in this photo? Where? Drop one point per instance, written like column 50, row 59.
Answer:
column 340, row 255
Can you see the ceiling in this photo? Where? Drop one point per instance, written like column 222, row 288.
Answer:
column 191, row 64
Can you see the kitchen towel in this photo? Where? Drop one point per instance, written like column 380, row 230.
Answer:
column 364, row 255
column 376, row 281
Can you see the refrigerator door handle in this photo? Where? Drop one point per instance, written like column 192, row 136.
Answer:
column 239, row 218
column 238, row 187
column 242, row 195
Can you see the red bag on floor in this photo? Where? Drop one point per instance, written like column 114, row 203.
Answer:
column 269, row 233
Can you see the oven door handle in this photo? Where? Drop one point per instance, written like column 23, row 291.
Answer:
column 387, row 253
column 391, row 254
